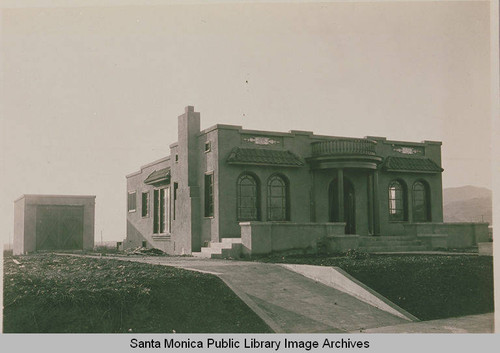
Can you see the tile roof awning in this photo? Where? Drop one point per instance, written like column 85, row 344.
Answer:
column 407, row 164
column 158, row 176
column 260, row 156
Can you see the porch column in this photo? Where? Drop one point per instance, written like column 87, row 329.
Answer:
column 370, row 203
column 312, row 198
column 376, row 201
column 340, row 199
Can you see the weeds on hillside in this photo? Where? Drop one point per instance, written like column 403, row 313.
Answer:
column 49, row 293
column 428, row 286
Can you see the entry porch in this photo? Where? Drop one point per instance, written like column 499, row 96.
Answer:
column 260, row 238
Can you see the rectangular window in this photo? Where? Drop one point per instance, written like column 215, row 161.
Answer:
column 131, row 201
column 209, row 195
column 176, row 186
column 145, row 204
column 161, row 211
column 396, row 202
column 167, row 210
column 156, row 212
column 208, row 146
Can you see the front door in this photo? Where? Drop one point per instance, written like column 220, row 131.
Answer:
column 349, row 209
column 349, row 205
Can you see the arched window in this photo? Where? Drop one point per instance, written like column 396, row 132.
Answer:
column 277, row 199
column 421, row 210
column 248, row 198
column 397, row 201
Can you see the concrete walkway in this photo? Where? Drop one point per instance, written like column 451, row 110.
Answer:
column 287, row 301
column 483, row 323
column 291, row 303
column 426, row 252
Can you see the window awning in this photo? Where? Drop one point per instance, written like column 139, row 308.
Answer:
column 408, row 164
column 161, row 176
column 260, row 156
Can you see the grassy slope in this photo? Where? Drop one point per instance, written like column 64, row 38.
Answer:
column 49, row 293
column 428, row 286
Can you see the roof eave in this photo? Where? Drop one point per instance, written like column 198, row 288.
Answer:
column 157, row 181
column 267, row 164
column 414, row 171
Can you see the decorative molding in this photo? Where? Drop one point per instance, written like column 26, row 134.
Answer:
column 408, row 150
column 344, row 146
column 260, row 140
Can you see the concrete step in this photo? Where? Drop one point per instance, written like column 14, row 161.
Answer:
column 201, row 255
column 395, row 248
column 226, row 245
column 387, row 238
column 222, row 250
column 390, row 243
column 231, row 240
column 234, row 252
column 211, row 250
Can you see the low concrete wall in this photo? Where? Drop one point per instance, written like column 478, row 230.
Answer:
column 341, row 243
column 266, row 237
column 485, row 249
column 459, row 235
column 434, row 241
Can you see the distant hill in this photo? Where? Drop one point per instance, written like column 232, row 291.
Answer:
column 467, row 204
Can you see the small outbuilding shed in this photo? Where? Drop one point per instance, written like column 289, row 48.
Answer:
column 53, row 222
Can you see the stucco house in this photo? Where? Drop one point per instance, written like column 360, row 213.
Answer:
column 228, row 191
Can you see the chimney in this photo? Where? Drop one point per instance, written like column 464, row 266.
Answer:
column 188, row 129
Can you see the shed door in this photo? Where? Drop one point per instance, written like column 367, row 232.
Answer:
column 59, row 227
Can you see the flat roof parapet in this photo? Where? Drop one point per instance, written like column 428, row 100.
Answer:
column 158, row 161
column 49, row 196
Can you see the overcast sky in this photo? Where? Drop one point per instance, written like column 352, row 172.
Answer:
column 91, row 94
